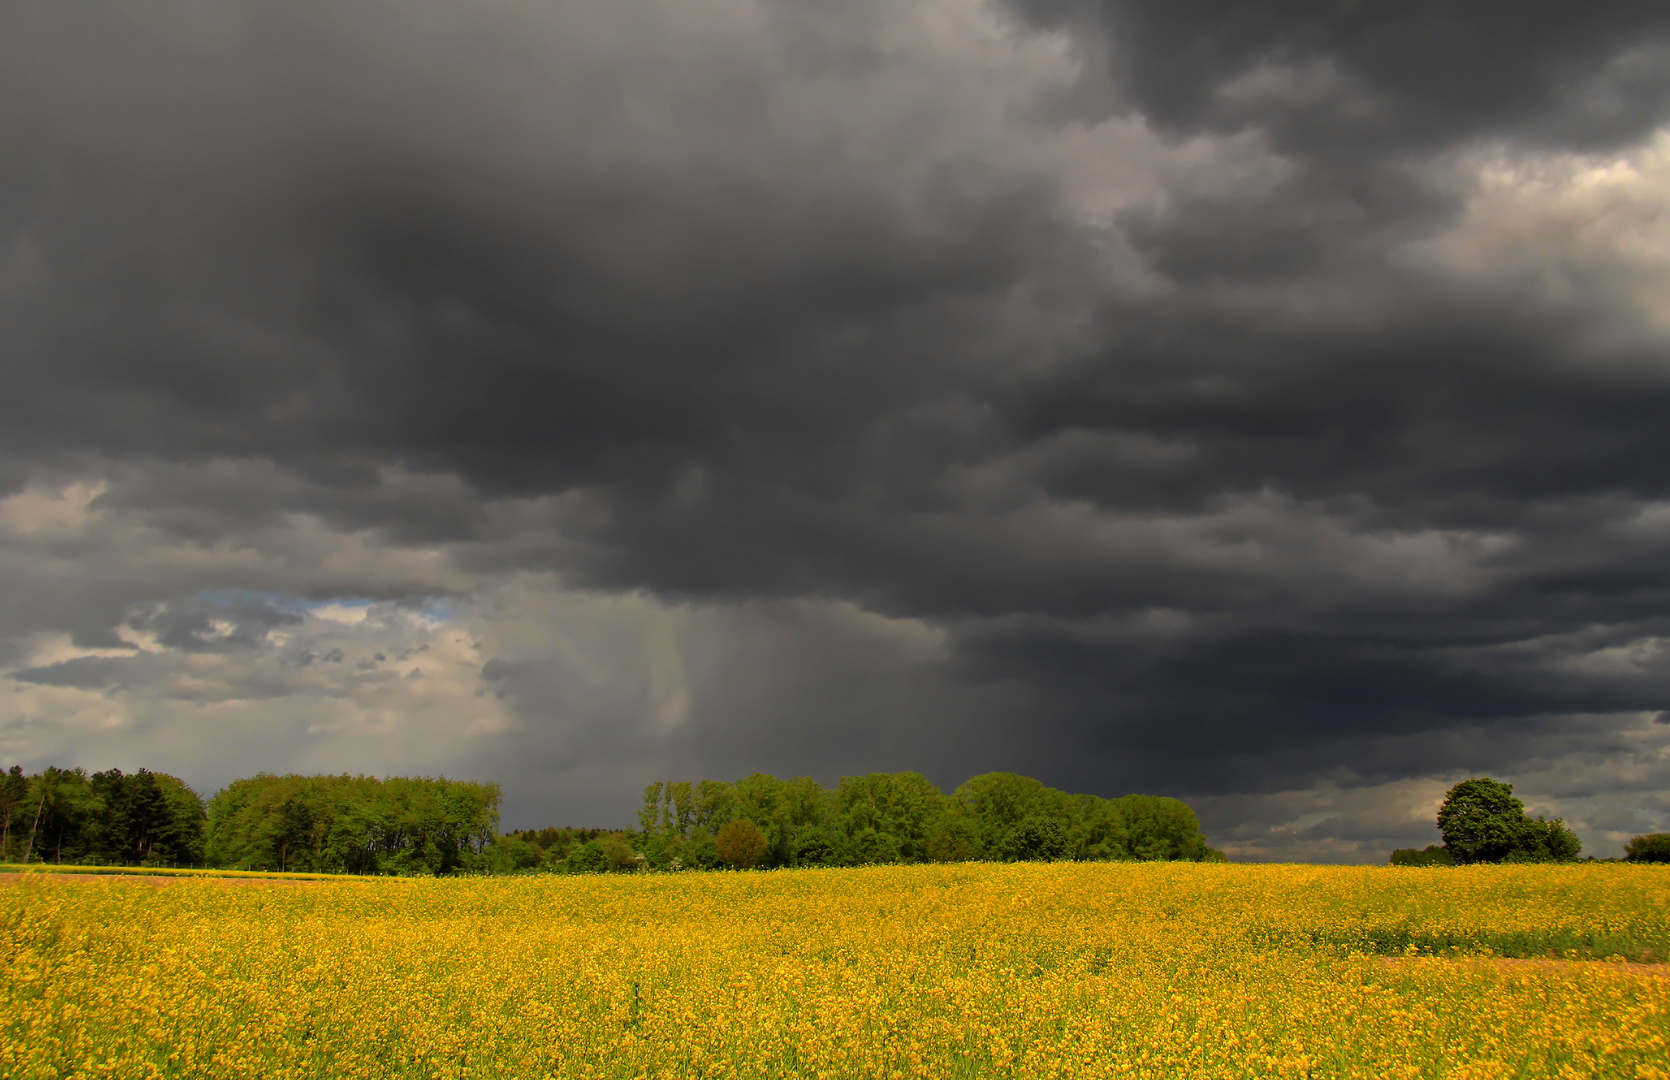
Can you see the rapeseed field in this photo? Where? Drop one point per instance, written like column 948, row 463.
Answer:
column 970, row 970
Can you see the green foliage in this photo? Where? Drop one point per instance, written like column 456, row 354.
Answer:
column 1483, row 822
column 107, row 819
column 14, row 792
column 587, row 858
column 1480, row 820
column 994, row 803
column 1651, row 848
column 552, row 845
column 1162, row 829
column 904, row 818
column 618, row 851
column 1036, row 838
column 512, row 855
column 353, row 824
column 1431, row 855
column 899, row 809
column 740, row 844
column 952, row 839
column 1545, row 841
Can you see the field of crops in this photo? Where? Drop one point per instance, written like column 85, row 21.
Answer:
column 1025, row 970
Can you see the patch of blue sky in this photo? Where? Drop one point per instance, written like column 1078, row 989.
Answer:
column 280, row 601
column 432, row 608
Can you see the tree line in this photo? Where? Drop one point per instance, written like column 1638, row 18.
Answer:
column 332, row 824
column 762, row 821
column 419, row 825
column 108, row 818
column 353, row 824
column 1482, row 821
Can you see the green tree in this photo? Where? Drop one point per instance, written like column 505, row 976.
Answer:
column 649, row 817
column 620, row 854
column 993, row 803
column 1542, row 841
column 181, row 842
column 587, row 858
column 513, row 854
column 681, row 807
column 65, row 809
column 1482, row 821
column 758, row 798
column 1162, row 828
column 1036, row 838
column 813, row 846
column 740, row 844
column 14, row 792
column 903, row 817
column 952, row 839
column 1652, row 847
column 352, row 824
column 712, row 805
column 1098, row 829
column 904, row 806
column 808, row 821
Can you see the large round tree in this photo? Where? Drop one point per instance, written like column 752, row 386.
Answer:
column 1481, row 820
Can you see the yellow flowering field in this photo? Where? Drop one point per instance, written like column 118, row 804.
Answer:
column 970, row 970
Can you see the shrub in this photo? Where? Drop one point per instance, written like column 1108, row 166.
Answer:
column 951, row 839
column 620, row 854
column 813, row 848
column 1653, row 847
column 1037, row 839
column 869, row 847
column 740, row 844
column 1545, row 841
column 1432, row 855
column 587, row 858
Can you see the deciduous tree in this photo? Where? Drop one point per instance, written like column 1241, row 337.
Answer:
column 740, row 844
column 1653, row 847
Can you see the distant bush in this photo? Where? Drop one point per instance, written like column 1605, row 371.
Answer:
column 587, row 858
column 740, row 844
column 1431, row 855
column 1653, row 847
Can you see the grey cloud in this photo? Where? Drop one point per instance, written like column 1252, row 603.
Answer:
column 1248, row 404
column 83, row 672
column 1418, row 73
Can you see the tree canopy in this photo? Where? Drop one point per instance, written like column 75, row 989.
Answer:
column 352, row 824
column 1482, row 821
column 1653, row 847
column 106, row 819
column 903, row 817
column 422, row 825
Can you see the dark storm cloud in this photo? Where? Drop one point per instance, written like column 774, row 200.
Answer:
column 1132, row 360
column 1356, row 75
column 87, row 672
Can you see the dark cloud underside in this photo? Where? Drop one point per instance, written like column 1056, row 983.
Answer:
column 1221, row 400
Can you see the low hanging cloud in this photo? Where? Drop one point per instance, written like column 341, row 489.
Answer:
column 1258, row 407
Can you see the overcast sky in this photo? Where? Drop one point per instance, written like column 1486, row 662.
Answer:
column 1263, row 404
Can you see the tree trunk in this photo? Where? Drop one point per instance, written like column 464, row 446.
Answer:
column 38, row 807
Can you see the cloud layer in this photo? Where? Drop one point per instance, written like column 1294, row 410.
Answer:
column 1259, row 407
